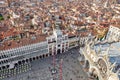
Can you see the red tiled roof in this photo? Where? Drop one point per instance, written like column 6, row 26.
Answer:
column 11, row 32
column 72, row 34
column 22, row 42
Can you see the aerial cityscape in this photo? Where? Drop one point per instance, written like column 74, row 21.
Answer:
column 59, row 39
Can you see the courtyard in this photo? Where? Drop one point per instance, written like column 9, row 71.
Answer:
column 63, row 66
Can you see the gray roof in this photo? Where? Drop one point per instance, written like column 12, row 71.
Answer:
column 114, row 51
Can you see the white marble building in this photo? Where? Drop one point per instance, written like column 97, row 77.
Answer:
column 113, row 34
column 54, row 44
column 98, row 63
column 58, row 42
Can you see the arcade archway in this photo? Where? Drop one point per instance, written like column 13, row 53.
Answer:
column 58, row 51
column 86, row 65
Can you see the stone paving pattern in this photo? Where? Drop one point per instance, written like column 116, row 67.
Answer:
column 40, row 69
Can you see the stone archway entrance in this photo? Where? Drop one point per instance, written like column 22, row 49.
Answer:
column 86, row 65
column 23, row 61
column 19, row 62
column 47, row 55
column 43, row 56
column 58, row 51
column 82, row 59
column 37, row 57
column 34, row 58
column 40, row 56
column 63, row 50
column 94, row 74
column 8, row 66
column 3, row 67
column 30, row 59
column 50, row 54
column 27, row 60
column 16, row 64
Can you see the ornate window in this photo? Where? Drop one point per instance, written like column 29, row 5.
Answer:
column 102, row 66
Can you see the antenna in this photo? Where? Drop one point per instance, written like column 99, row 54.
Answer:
column 54, row 64
column 60, row 69
column 54, row 69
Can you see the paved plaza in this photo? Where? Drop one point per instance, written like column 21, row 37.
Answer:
column 41, row 69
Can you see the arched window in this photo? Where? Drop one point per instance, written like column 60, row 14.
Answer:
column 19, row 62
column 7, row 66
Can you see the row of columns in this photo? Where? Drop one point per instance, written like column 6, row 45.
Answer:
column 6, row 72
column 27, row 60
column 19, row 67
column 16, row 51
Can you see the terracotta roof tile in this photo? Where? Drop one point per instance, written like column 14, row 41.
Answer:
column 22, row 42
